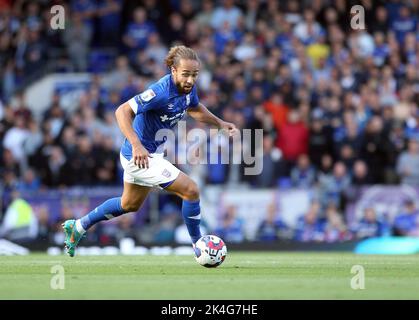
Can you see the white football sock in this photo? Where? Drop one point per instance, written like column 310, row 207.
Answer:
column 79, row 227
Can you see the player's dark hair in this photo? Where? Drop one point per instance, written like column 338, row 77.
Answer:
column 180, row 52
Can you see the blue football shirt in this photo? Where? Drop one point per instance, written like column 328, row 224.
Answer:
column 161, row 106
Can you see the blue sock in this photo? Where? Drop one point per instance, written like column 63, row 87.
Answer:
column 191, row 213
column 109, row 209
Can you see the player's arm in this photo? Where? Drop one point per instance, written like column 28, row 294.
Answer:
column 202, row 114
column 124, row 116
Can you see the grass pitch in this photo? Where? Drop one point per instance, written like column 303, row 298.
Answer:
column 250, row 275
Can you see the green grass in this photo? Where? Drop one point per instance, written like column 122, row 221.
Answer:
column 250, row 275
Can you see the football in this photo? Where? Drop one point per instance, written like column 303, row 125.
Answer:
column 210, row 251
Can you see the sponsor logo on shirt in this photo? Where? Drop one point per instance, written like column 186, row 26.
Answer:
column 176, row 117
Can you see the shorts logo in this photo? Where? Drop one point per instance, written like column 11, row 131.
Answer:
column 147, row 95
column 166, row 173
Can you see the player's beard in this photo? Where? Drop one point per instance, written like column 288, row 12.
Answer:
column 184, row 90
column 187, row 89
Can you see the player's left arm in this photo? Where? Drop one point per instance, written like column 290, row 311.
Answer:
column 202, row 114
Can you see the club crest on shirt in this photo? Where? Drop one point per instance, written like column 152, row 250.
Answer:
column 166, row 173
column 147, row 95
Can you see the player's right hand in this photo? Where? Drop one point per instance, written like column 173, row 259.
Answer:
column 140, row 156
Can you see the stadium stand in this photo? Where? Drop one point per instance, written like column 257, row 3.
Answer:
column 338, row 106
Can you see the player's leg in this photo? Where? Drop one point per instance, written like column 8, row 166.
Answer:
column 188, row 190
column 132, row 198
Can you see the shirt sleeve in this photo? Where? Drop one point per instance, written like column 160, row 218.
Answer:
column 150, row 99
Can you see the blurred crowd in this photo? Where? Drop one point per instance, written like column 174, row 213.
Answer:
column 25, row 223
column 323, row 225
column 338, row 106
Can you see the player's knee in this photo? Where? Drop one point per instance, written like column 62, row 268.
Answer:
column 129, row 206
column 191, row 192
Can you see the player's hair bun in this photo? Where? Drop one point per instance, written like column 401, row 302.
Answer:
column 180, row 52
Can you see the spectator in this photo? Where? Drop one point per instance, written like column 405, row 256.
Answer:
column 56, row 170
column 381, row 50
column 119, row 76
column 326, row 166
column 231, row 227
column 273, row 228
column 335, row 229
column 308, row 30
column 271, row 163
column 30, row 182
column 408, row 164
column 155, row 49
column 9, row 181
column 347, row 155
column 187, row 10
column 320, row 140
column 404, row 23
column 109, row 16
column 106, row 159
column 68, row 141
column 228, row 12
column 412, row 128
column 138, row 32
column 55, row 117
column 380, row 23
column 8, row 162
column 374, row 149
column 246, row 49
column 406, row 223
column 20, row 108
column 370, row 226
column 15, row 138
column 293, row 137
column 332, row 185
column 310, row 227
column 360, row 174
column 34, row 140
column 86, row 9
column 204, row 16
column 82, row 164
column 33, row 52
column 77, row 39
column 225, row 36
column 19, row 222
column 279, row 111
column 44, row 225
column 303, row 174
